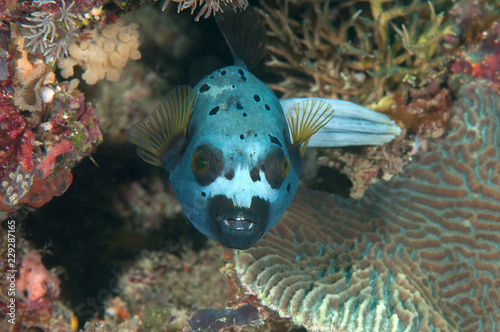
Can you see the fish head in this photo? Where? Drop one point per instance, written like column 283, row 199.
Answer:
column 237, row 176
column 234, row 195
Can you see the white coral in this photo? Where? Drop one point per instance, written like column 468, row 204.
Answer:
column 105, row 54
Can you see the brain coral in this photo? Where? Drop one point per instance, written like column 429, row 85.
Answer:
column 419, row 253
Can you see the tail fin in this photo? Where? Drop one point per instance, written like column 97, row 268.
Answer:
column 245, row 34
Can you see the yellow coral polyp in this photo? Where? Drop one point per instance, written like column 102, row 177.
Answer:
column 105, row 54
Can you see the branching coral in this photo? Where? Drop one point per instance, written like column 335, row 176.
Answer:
column 391, row 57
column 208, row 7
column 380, row 47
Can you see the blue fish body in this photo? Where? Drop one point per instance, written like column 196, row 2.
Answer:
column 241, row 123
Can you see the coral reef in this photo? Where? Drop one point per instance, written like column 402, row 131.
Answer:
column 169, row 38
column 392, row 59
column 160, row 290
column 36, row 289
column 47, row 129
column 35, row 282
column 208, row 7
column 417, row 253
column 104, row 53
column 483, row 61
column 320, row 54
column 145, row 204
column 52, row 27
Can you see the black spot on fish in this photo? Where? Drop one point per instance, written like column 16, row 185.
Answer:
column 203, row 194
column 244, row 115
column 214, row 110
column 205, row 87
column 242, row 136
column 267, row 107
column 275, row 140
column 223, row 73
column 242, row 73
column 239, row 106
column 229, row 174
column 288, row 187
column 233, row 86
column 256, row 98
column 211, row 77
column 254, row 174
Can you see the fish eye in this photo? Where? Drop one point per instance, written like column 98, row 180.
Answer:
column 276, row 167
column 199, row 162
column 207, row 163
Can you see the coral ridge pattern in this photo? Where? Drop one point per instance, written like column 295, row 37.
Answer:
column 419, row 253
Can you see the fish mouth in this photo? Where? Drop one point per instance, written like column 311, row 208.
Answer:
column 237, row 227
column 240, row 223
column 237, row 221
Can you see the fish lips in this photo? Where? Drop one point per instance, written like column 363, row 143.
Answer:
column 237, row 227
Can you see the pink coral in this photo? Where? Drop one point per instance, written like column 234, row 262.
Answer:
column 47, row 165
column 35, row 281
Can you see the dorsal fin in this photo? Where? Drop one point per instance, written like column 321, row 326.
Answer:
column 305, row 118
column 245, row 34
column 154, row 135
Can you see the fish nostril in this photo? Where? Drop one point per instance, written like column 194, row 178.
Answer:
column 229, row 174
column 254, row 174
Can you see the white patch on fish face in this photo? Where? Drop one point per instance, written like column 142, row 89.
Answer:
column 241, row 188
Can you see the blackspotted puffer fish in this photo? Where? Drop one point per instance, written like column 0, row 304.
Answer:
column 233, row 155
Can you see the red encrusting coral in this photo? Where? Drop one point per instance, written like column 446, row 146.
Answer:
column 47, row 165
column 484, row 61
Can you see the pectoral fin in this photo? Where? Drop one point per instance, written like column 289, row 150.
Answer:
column 305, row 118
column 167, row 123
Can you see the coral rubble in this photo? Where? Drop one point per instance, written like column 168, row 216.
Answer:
column 417, row 253
column 160, row 290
